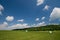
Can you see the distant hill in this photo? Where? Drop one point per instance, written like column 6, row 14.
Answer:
column 42, row 28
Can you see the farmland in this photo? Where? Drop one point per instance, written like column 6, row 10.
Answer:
column 30, row 35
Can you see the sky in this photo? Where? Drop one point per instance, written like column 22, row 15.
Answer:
column 17, row 14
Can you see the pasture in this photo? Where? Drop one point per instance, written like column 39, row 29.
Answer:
column 30, row 35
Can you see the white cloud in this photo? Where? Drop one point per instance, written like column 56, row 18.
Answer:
column 46, row 7
column 5, row 23
column 55, row 14
column 3, row 26
column 9, row 18
column 53, row 24
column 22, row 20
column 42, row 18
column 39, row 2
column 18, row 26
column 0, row 13
column 1, row 9
column 37, row 19
column 39, row 24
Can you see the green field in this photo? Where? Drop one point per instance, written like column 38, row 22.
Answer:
column 30, row 35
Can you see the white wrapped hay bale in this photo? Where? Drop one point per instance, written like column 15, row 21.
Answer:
column 26, row 30
column 50, row 32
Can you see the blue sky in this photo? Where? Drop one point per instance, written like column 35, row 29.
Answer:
column 29, row 12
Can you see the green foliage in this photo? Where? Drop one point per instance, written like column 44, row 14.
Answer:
column 43, row 28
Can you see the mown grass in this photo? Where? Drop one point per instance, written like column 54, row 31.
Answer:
column 30, row 35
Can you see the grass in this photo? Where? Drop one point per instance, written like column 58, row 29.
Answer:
column 30, row 35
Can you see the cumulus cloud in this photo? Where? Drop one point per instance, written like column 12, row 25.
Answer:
column 1, row 9
column 9, row 18
column 19, row 26
column 3, row 26
column 42, row 18
column 37, row 19
column 21, row 20
column 0, row 13
column 46, row 7
column 53, row 24
column 39, row 2
column 39, row 24
column 55, row 14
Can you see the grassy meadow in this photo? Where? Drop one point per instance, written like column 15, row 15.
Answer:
column 30, row 35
